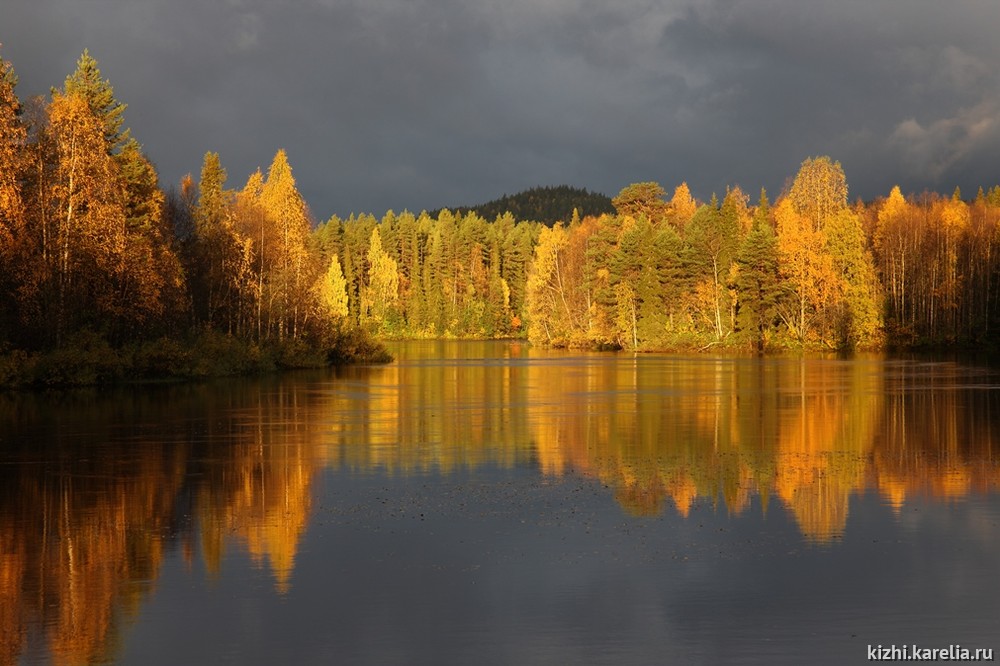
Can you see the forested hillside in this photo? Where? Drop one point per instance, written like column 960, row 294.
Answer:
column 547, row 205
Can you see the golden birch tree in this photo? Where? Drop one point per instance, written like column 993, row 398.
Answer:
column 806, row 266
column 89, row 200
column 12, row 159
column 545, row 293
column 819, row 190
column 13, row 164
column 331, row 292
column 682, row 206
column 893, row 249
column 286, row 210
column 380, row 298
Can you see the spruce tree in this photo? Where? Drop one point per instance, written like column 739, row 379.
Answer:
column 757, row 282
column 87, row 82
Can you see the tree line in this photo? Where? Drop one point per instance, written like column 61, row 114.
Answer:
column 96, row 256
column 104, row 274
column 808, row 271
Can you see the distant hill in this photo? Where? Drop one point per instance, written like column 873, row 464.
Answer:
column 542, row 204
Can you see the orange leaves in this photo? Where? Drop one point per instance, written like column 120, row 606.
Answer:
column 954, row 215
column 893, row 208
column 12, row 162
column 682, row 205
column 805, row 263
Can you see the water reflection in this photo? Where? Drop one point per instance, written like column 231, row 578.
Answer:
column 94, row 489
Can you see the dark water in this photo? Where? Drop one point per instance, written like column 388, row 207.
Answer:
column 494, row 503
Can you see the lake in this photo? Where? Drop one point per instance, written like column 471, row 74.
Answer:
column 492, row 502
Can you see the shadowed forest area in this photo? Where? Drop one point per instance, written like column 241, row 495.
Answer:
column 107, row 276
column 547, row 205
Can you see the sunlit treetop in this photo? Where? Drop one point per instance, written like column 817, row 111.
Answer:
column 819, row 190
column 7, row 75
column 682, row 205
column 641, row 199
column 12, row 137
column 100, row 96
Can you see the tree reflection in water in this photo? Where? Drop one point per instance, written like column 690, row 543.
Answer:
column 94, row 488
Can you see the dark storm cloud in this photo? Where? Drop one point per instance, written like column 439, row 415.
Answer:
column 423, row 103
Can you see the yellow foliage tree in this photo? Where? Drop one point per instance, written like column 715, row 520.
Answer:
column 819, row 190
column 545, row 289
column 682, row 206
column 893, row 248
column 12, row 163
column 858, row 321
column 286, row 211
column 331, row 292
column 380, row 298
column 807, row 267
column 955, row 220
column 89, row 197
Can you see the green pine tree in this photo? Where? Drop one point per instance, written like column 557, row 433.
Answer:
column 757, row 282
column 100, row 96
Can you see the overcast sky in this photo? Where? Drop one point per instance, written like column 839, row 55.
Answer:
column 417, row 104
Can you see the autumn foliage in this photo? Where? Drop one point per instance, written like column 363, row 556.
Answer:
column 98, row 259
column 106, row 276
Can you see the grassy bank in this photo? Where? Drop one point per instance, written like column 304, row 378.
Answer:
column 89, row 360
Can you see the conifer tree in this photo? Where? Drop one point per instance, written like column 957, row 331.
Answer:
column 209, row 281
column 87, row 82
column 642, row 199
column 714, row 238
column 515, row 259
column 757, row 281
column 602, row 327
column 150, row 273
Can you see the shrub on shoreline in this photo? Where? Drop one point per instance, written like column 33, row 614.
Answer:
column 89, row 360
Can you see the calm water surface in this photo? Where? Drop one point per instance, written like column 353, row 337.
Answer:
column 495, row 503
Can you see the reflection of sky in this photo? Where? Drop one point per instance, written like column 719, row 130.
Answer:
column 522, row 573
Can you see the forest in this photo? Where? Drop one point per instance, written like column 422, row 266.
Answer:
column 107, row 275
column 810, row 271
column 547, row 205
